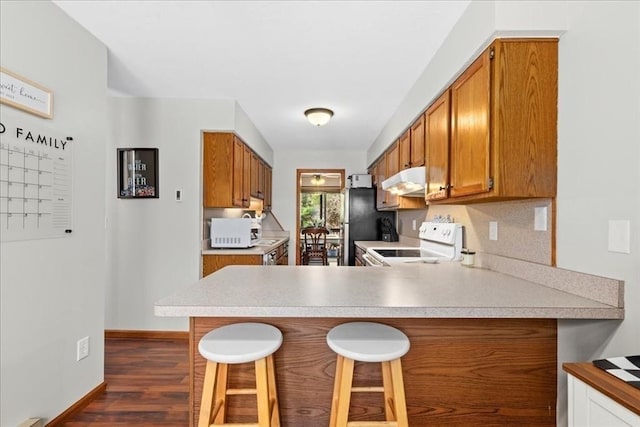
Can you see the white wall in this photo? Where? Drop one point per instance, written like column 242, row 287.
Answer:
column 284, row 180
column 52, row 290
column 599, row 165
column 478, row 26
column 154, row 244
column 598, row 150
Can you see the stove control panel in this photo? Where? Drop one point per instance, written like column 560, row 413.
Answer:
column 441, row 232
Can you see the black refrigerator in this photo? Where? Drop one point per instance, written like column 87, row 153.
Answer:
column 360, row 220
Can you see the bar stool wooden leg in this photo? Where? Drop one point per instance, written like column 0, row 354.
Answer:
column 344, row 393
column 400, row 403
column 389, row 399
column 262, row 392
column 207, row 404
column 274, row 405
column 336, row 392
column 220, row 394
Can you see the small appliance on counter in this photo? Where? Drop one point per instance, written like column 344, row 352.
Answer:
column 231, row 233
column 256, row 225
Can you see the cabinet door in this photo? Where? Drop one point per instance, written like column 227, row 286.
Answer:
column 267, row 188
column 588, row 407
column 392, row 168
column 379, row 173
column 418, row 143
column 261, row 183
column 437, row 126
column 217, row 176
column 240, row 198
column 255, row 175
column 470, row 136
column 213, row 263
column 404, row 151
column 246, row 176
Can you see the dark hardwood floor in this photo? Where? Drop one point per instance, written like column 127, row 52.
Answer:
column 147, row 385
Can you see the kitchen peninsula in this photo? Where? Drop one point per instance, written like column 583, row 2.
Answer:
column 483, row 343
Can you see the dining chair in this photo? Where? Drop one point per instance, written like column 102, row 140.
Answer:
column 314, row 250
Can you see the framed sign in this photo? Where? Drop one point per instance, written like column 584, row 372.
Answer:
column 25, row 95
column 137, row 173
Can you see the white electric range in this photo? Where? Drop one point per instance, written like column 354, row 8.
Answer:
column 439, row 241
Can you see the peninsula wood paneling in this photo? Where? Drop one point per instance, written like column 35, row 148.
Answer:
column 466, row 372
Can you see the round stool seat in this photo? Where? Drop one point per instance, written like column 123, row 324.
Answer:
column 240, row 343
column 368, row 341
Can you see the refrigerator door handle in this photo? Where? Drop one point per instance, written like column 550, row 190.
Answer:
column 345, row 243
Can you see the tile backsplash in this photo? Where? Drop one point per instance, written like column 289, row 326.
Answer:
column 515, row 219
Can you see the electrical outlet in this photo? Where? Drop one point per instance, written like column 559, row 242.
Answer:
column 493, row 230
column 178, row 195
column 82, row 348
column 620, row 236
column 540, row 218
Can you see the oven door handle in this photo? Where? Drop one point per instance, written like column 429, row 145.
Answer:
column 370, row 261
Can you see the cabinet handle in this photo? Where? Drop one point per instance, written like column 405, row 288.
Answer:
column 406, row 165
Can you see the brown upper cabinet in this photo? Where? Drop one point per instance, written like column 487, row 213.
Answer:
column 378, row 174
column 417, row 143
column 392, row 161
column 257, row 176
column 267, row 188
column 437, row 133
column 503, row 141
column 230, row 169
column 404, row 150
column 411, row 145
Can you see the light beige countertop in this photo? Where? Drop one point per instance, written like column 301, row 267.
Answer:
column 268, row 243
column 445, row 290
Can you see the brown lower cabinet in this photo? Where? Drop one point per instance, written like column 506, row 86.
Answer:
column 460, row 372
column 358, row 257
column 212, row 263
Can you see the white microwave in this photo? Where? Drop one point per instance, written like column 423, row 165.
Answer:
column 230, row 232
column 359, row 181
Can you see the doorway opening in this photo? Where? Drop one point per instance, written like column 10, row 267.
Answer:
column 319, row 203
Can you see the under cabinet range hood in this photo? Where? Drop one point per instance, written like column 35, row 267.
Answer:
column 408, row 182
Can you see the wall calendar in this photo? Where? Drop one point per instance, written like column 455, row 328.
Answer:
column 35, row 182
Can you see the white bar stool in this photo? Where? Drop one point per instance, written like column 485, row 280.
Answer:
column 235, row 344
column 368, row 342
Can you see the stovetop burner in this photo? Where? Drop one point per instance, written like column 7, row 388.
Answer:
column 400, row 253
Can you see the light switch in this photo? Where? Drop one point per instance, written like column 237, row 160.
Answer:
column 178, row 195
column 620, row 236
column 540, row 221
column 413, row 224
column 493, row 230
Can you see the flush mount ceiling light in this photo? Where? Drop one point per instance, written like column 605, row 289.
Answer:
column 317, row 180
column 318, row 116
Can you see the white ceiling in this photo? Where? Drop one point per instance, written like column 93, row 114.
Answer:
column 275, row 58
